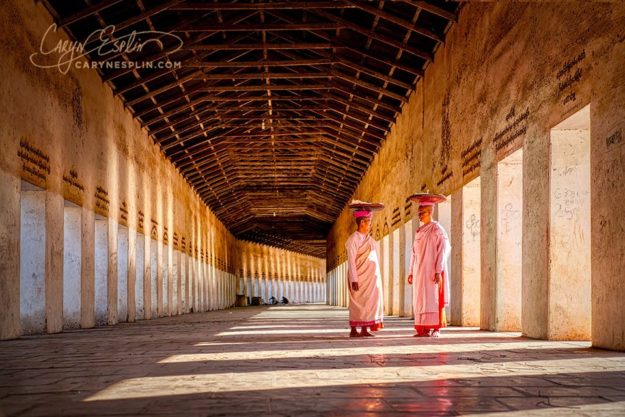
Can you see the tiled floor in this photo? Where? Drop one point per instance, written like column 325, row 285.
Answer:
column 298, row 361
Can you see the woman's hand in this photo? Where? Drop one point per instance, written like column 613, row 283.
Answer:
column 410, row 279
column 437, row 278
column 355, row 286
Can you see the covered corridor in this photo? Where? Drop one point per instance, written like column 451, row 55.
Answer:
column 298, row 361
column 168, row 167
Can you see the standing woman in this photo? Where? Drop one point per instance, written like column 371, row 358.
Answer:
column 428, row 269
column 363, row 272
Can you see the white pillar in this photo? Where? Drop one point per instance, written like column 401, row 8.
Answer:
column 153, row 278
column 32, row 261
column 139, row 271
column 471, row 266
column 569, row 243
column 101, row 270
column 122, row 274
column 509, row 243
column 72, row 265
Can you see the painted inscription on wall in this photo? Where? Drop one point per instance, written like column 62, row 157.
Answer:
column 408, row 209
column 102, row 201
column 568, row 77
column 471, row 157
column 123, row 212
column 445, row 133
column 35, row 163
column 73, row 187
column 516, row 127
column 140, row 218
column 71, row 179
column 154, row 229
column 396, row 219
column 445, row 174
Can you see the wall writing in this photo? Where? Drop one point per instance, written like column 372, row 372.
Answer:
column 396, row 218
column 140, row 219
column 516, row 127
column 123, row 212
column 35, row 163
column 73, row 188
column 471, row 157
column 72, row 181
column 568, row 77
column 102, row 201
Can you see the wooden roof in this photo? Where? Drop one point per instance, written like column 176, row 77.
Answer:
column 276, row 108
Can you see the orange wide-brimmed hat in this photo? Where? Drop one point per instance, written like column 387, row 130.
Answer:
column 427, row 199
column 364, row 208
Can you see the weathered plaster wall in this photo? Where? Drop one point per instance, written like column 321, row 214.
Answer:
column 509, row 286
column 507, row 73
column 68, row 135
column 570, row 257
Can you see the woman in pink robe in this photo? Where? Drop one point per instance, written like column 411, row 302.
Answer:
column 428, row 274
column 363, row 277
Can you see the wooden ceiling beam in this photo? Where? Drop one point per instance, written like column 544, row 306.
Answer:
column 197, row 160
column 428, row 7
column 363, row 97
column 369, row 86
column 147, row 14
column 362, row 108
column 381, row 13
column 427, row 56
column 199, row 74
column 252, row 46
column 271, row 76
column 372, row 137
column 368, row 123
column 89, row 11
column 354, row 66
column 278, row 5
column 270, row 63
column 227, row 110
column 295, row 87
column 152, row 93
column 372, row 73
column 219, row 99
column 250, row 27
column 173, row 48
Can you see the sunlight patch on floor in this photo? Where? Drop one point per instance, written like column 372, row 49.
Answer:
column 164, row 386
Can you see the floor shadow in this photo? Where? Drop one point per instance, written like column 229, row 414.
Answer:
column 189, row 365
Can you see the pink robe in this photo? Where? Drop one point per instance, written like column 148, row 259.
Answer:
column 363, row 268
column 430, row 251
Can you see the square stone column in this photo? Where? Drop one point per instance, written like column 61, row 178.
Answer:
column 10, row 256
column 87, row 268
column 535, row 271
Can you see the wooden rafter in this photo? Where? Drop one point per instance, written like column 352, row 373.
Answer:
column 280, row 103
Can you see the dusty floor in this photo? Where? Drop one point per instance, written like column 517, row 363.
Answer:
column 298, row 361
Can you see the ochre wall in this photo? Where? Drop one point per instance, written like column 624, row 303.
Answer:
column 69, row 135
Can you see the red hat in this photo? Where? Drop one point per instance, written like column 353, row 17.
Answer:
column 427, row 199
column 362, row 213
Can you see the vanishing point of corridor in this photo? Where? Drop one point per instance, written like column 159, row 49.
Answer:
column 297, row 361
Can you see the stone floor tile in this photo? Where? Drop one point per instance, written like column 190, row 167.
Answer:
column 299, row 361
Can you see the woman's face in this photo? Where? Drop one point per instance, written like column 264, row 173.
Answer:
column 365, row 225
